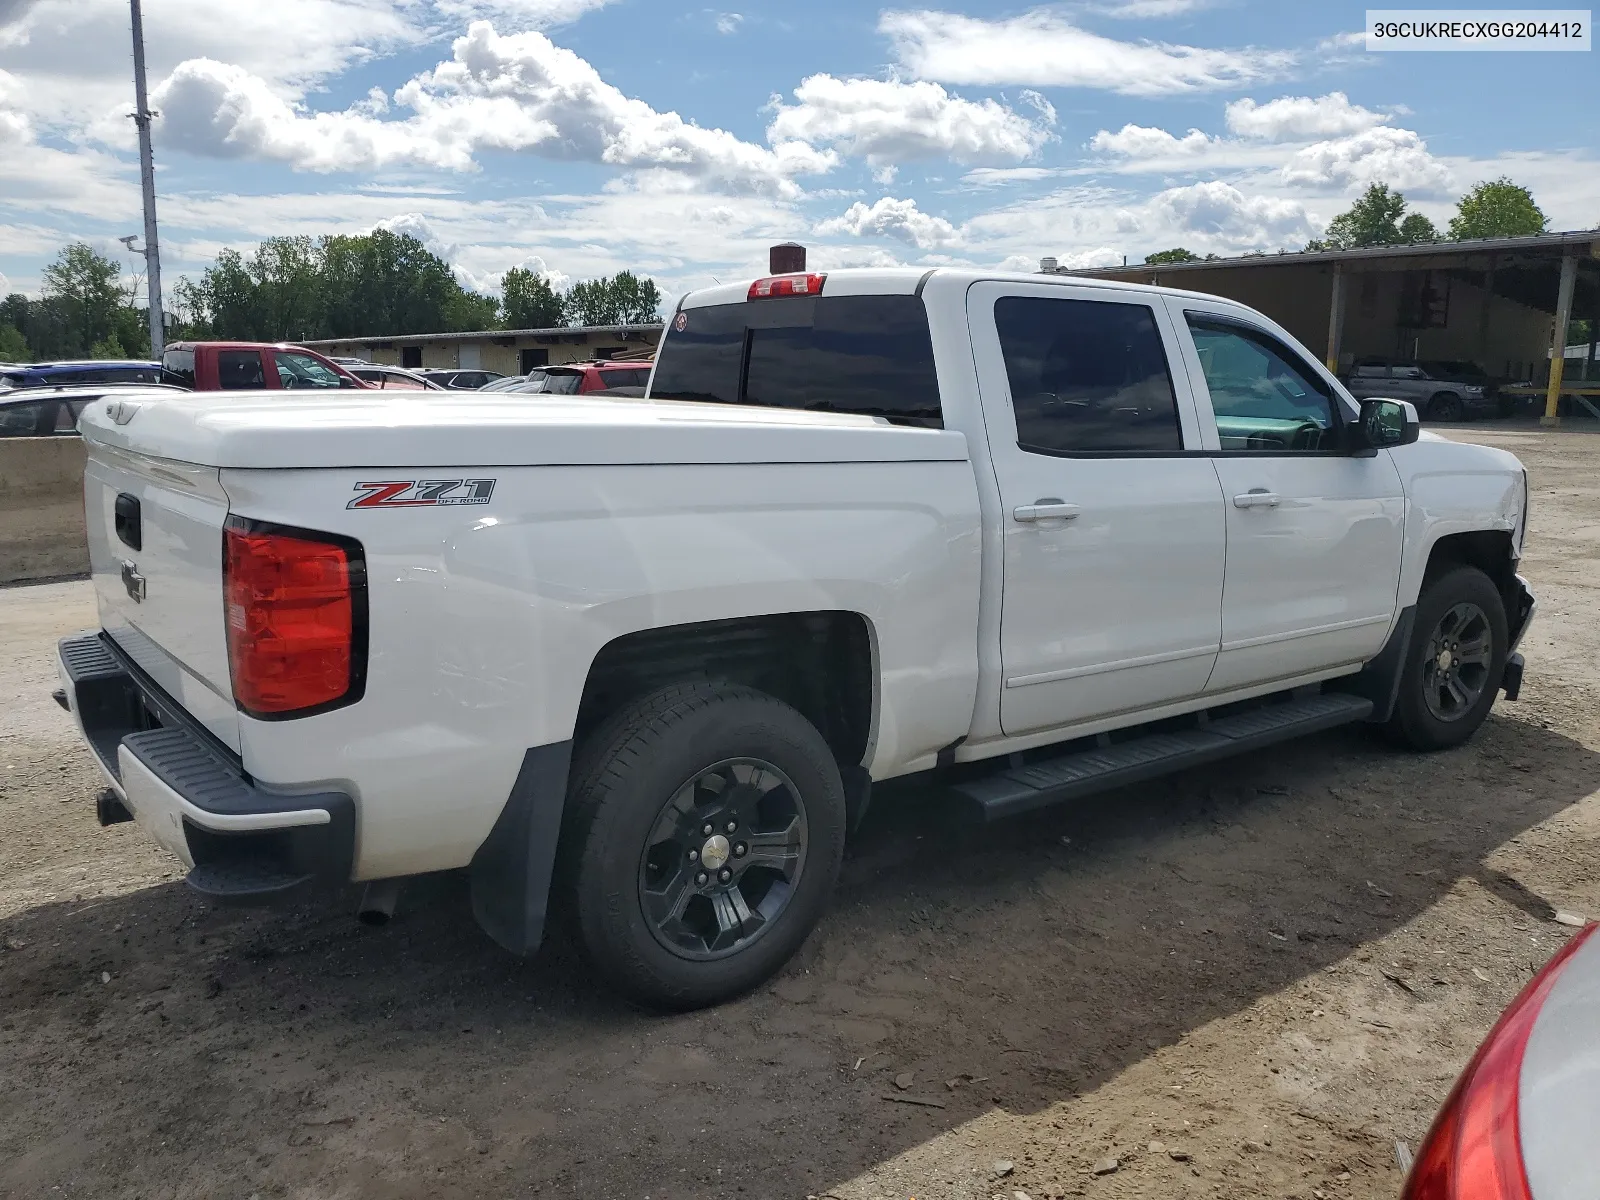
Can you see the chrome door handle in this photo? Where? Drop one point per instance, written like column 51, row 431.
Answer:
column 1047, row 509
column 1256, row 498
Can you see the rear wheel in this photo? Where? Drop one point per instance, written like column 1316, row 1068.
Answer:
column 1447, row 406
column 1454, row 663
column 706, row 831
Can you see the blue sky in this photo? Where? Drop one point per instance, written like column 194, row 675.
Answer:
column 580, row 137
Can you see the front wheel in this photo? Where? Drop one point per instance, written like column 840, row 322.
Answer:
column 1447, row 406
column 706, row 830
column 1454, row 663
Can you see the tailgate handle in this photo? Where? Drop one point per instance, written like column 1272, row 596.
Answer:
column 129, row 525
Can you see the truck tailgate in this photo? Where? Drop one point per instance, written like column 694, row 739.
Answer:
column 155, row 548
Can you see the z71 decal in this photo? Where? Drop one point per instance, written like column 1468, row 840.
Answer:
column 415, row 493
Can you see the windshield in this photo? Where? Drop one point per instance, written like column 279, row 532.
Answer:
column 303, row 371
column 562, row 383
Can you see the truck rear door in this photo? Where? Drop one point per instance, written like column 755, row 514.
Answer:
column 155, row 550
column 1112, row 525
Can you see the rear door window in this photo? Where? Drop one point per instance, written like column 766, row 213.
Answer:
column 870, row 355
column 239, row 370
column 1087, row 377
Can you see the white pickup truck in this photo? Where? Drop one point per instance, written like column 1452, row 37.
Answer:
column 640, row 660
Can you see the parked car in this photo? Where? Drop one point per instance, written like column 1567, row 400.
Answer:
column 517, row 383
column 459, row 379
column 63, row 374
column 1441, row 391
column 247, row 366
column 54, row 412
column 1035, row 537
column 575, row 379
column 347, row 361
column 393, row 377
column 1520, row 1120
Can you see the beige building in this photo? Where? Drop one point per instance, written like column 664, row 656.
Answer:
column 508, row 351
column 1493, row 302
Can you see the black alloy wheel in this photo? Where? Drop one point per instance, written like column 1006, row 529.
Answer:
column 704, row 830
column 1455, row 667
column 1453, row 662
column 723, row 859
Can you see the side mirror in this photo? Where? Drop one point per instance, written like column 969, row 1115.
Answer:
column 1386, row 423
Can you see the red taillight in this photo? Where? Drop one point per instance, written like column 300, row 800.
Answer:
column 1474, row 1151
column 295, row 606
column 785, row 285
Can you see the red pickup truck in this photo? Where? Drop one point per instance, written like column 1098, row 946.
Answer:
column 243, row 366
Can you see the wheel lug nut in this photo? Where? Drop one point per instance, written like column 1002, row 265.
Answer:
column 694, row 856
column 701, row 878
column 724, row 874
column 732, row 825
column 740, row 850
column 707, row 828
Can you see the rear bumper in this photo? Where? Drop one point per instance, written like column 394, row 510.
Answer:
column 241, row 842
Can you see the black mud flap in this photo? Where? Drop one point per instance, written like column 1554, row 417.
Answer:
column 1511, row 677
column 512, row 870
column 1379, row 680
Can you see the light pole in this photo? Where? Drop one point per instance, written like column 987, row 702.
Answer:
column 147, row 178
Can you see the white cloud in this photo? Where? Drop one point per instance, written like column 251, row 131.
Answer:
column 516, row 92
column 889, row 121
column 1228, row 215
column 1397, row 157
column 729, row 22
column 899, row 219
column 73, row 54
column 999, row 176
column 1142, row 141
column 1296, row 118
column 519, row 14
column 1145, row 9
column 1041, row 49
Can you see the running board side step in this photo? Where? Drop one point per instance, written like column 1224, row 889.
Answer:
column 1085, row 772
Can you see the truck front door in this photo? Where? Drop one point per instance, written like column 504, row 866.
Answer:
column 1314, row 532
column 1113, row 517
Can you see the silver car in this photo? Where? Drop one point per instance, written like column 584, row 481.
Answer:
column 54, row 412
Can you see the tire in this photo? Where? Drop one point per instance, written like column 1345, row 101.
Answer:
column 1447, row 406
column 658, row 921
column 1456, row 609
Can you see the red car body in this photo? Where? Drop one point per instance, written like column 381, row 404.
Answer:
column 249, row 366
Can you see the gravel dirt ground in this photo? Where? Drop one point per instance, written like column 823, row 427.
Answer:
column 1246, row 981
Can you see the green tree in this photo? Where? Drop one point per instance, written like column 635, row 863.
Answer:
column 1497, row 208
column 1176, row 255
column 87, row 285
column 13, row 346
column 623, row 299
column 1415, row 227
column 530, row 302
column 1373, row 220
column 108, row 348
column 301, row 288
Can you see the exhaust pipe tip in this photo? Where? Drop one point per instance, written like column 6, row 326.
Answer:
column 378, row 900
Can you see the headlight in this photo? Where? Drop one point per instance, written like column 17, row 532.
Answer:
column 1472, row 389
